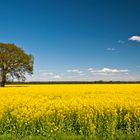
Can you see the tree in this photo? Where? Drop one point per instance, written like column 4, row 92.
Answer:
column 14, row 63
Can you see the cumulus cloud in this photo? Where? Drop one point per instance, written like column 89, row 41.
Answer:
column 45, row 75
column 135, row 38
column 108, row 71
column 75, row 71
column 91, row 70
column 110, row 49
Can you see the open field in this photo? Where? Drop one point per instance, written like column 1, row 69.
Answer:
column 77, row 111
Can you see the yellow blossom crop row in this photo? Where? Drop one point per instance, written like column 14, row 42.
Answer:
column 27, row 103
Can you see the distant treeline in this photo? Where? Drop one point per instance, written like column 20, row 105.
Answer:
column 77, row 82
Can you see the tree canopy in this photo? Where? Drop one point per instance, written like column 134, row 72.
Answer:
column 14, row 63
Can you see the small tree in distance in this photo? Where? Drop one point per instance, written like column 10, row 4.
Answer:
column 14, row 63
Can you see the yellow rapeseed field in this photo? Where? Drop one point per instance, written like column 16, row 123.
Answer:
column 80, row 108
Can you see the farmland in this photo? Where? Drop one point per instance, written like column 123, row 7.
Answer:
column 76, row 111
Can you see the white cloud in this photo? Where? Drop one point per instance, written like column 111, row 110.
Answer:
column 135, row 38
column 44, row 73
column 75, row 71
column 56, row 76
column 87, row 74
column 110, row 49
column 90, row 69
column 108, row 71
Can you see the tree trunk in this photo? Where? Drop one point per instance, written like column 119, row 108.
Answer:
column 3, row 77
column 3, row 81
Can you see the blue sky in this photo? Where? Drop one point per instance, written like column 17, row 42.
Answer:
column 75, row 39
